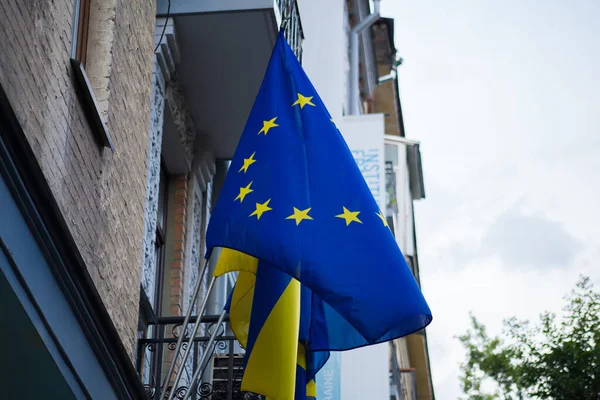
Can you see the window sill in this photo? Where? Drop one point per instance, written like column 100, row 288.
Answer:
column 99, row 127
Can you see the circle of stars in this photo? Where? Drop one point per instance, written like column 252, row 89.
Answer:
column 298, row 215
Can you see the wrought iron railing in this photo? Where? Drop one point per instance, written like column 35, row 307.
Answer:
column 292, row 25
column 221, row 375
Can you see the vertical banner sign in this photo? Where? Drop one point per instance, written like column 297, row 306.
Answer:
column 364, row 135
column 328, row 379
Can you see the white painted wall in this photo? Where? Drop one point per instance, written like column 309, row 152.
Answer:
column 346, row 55
column 365, row 373
column 323, row 50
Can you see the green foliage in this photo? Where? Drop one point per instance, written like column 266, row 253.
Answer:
column 555, row 359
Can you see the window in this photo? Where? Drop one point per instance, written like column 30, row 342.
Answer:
column 81, row 31
column 161, row 227
column 79, row 56
column 149, row 358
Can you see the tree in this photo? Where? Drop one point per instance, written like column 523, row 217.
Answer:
column 558, row 358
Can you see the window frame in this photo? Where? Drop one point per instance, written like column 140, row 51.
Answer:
column 81, row 27
column 79, row 49
column 161, row 236
column 151, row 309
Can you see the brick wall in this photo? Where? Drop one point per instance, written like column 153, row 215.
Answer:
column 385, row 95
column 100, row 194
column 385, row 101
column 101, row 40
column 177, row 274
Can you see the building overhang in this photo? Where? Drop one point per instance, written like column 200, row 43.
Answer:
column 224, row 48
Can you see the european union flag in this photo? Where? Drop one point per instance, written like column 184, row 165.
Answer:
column 295, row 199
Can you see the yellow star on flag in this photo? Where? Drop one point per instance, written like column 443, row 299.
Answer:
column 247, row 163
column 382, row 218
column 243, row 192
column 349, row 216
column 268, row 125
column 299, row 215
column 303, row 100
column 261, row 208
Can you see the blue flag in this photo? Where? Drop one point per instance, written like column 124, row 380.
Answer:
column 295, row 199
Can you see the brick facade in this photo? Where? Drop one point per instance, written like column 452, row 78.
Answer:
column 177, row 275
column 100, row 194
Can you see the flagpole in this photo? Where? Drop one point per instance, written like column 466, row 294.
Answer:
column 205, row 355
column 184, row 328
column 189, row 344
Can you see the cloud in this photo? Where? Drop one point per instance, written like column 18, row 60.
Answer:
column 528, row 240
column 510, row 155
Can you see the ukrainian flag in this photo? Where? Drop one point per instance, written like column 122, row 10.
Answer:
column 295, row 201
column 270, row 314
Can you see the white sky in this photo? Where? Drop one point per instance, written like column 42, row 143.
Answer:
column 505, row 99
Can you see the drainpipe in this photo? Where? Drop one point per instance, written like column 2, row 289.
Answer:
column 354, row 52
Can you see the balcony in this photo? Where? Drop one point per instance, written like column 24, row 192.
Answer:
column 224, row 48
column 221, row 376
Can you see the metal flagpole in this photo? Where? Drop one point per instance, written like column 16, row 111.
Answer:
column 197, row 375
column 185, row 325
column 189, row 343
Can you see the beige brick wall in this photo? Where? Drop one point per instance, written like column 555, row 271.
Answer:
column 100, row 194
column 176, row 258
column 385, row 102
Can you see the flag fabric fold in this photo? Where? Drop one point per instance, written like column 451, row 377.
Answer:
column 295, row 202
column 278, row 362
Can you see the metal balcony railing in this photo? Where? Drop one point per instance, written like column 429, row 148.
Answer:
column 221, row 375
column 292, row 25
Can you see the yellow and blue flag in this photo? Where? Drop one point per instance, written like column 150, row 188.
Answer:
column 270, row 314
column 295, row 200
column 309, row 362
